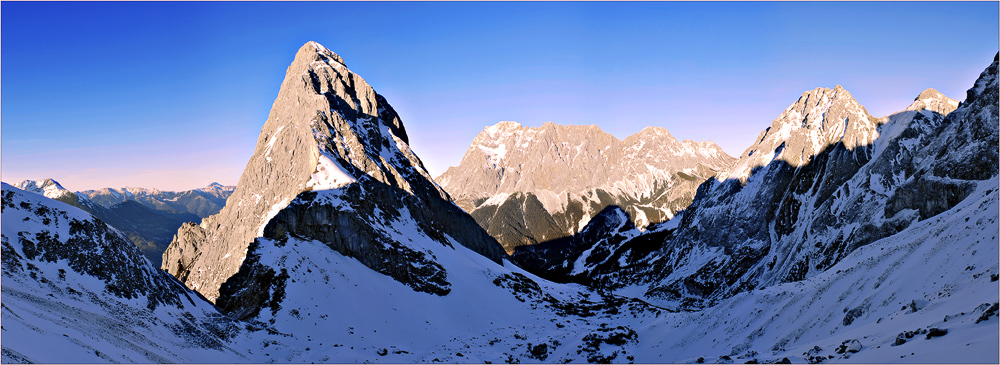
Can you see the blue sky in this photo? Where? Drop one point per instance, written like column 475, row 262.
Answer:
column 172, row 95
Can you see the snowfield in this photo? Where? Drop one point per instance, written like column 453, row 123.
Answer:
column 337, row 310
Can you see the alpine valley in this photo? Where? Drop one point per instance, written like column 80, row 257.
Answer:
column 148, row 217
column 836, row 237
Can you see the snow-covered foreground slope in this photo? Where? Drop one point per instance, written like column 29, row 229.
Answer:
column 939, row 273
column 338, row 310
column 76, row 290
column 149, row 217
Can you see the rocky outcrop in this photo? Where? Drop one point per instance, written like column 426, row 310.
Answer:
column 331, row 156
column 530, row 185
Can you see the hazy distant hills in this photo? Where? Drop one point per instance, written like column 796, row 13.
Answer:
column 202, row 202
column 148, row 217
column 530, row 185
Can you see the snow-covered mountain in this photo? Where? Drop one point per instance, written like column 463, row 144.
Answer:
column 530, row 185
column 822, row 181
column 337, row 238
column 50, row 189
column 331, row 164
column 369, row 261
column 76, row 290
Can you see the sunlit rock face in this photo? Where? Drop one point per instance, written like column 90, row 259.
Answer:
column 331, row 156
column 530, row 185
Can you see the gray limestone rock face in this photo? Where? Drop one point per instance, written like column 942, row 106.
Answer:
column 530, row 185
column 327, row 130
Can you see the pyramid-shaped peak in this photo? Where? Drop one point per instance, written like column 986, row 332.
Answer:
column 313, row 51
column 331, row 146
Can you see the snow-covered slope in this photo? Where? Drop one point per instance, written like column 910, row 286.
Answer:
column 530, row 185
column 939, row 273
column 148, row 217
column 76, row 290
column 888, row 296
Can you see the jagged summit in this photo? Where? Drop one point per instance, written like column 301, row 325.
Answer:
column 933, row 100
column 332, row 160
column 528, row 185
column 819, row 118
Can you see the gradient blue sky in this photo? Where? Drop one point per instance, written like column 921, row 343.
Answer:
column 172, row 95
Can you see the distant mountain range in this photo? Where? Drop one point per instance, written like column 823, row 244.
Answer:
column 148, row 217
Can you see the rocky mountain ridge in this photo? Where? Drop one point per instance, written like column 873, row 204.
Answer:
column 530, row 185
column 823, row 180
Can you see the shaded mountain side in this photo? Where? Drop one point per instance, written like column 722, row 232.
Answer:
column 150, row 230
column 801, row 213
